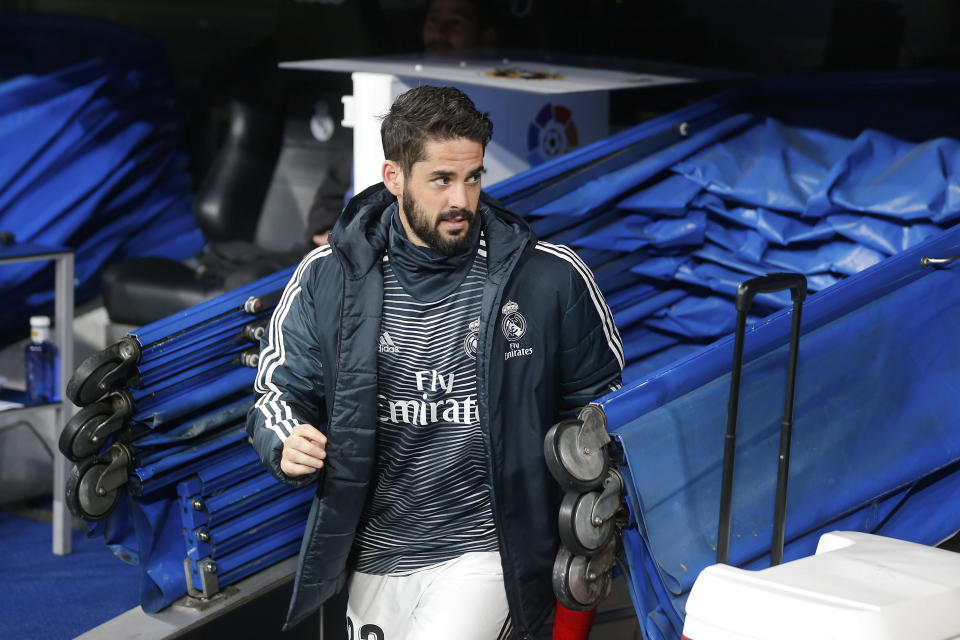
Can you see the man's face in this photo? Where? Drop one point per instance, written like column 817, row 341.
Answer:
column 450, row 25
column 438, row 200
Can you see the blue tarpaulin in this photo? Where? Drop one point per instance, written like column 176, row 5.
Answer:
column 769, row 177
column 847, row 179
column 89, row 153
column 875, row 430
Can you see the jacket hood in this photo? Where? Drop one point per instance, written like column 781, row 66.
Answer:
column 360, row 234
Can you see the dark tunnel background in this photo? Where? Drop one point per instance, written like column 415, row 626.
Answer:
column 222, row 50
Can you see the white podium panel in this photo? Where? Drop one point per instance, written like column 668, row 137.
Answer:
column 528, row 128
column 539, row 110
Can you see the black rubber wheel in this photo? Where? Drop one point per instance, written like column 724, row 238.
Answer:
column 85, row 389
column 81, row 492
column 571, row 466
column 571, row 586
column 577, row 531
column 103, row 372
column 75, row 441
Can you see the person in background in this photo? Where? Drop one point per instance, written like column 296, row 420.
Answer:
column 411, row 370
column 448, row 25
column 328, row 200
column 457, row 25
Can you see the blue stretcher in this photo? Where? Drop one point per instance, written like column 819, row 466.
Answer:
column 851, row 181
column 164, row 471
column 848, row 180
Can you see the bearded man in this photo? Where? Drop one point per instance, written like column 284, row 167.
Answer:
column 411, row 370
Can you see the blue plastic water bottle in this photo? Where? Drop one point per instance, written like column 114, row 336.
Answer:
column 40, row 362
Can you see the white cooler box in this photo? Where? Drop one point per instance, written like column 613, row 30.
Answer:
column 856, row 587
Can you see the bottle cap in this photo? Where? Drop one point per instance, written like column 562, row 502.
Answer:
column 40, row 321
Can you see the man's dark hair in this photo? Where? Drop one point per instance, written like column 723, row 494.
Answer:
column 430, row 113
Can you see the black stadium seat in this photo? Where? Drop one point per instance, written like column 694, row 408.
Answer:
column 252, row 207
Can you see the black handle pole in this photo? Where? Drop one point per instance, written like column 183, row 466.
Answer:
column 786, row 435
column 769, row 283
column 730, row 443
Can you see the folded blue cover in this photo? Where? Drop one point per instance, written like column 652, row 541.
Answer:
column 849, row 179
column 91, row 155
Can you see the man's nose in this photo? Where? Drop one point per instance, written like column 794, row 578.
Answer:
column 458, row 197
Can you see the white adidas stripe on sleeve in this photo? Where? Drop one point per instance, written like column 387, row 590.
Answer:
column 606, row 316
column 274, row 353
column 278, row 415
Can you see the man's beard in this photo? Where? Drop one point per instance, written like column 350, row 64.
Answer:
column 430, row 233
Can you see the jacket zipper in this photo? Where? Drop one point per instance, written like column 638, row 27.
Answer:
column 336, row 361
column 482, row 377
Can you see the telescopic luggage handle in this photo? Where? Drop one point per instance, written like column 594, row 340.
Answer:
column 769, row 283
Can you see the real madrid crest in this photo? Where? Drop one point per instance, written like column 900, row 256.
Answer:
column 470, row 341
column 514, row 325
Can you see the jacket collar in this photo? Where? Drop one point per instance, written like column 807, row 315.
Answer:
column 360, row 234
column 506, row 234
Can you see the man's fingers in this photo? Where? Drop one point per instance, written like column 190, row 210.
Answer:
column 312, row 448
column 293, row 469
column 310, row 433
column 304, row 458
column 303, row 451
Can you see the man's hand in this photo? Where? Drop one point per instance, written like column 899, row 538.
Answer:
column 303, row 451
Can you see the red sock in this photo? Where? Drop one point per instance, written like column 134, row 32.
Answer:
column 572, row 625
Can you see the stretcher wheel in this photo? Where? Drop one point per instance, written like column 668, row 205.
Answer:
column 76, row 439
column 575, row 467
column 75, row 442
column 577, row 530
column 86, row 431
column 572, row 586
column 87, row 389
column 103, row 372
column 81, row 491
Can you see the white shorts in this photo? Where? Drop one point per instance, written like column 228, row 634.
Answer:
column 463, row 598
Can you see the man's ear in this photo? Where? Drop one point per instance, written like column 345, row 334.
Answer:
column 393, row 177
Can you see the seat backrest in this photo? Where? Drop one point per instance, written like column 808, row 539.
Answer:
column 229, row 200
column 314, row 144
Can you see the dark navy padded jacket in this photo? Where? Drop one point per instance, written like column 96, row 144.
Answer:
column 318, row 364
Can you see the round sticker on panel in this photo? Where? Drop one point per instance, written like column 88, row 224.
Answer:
column 552, row 133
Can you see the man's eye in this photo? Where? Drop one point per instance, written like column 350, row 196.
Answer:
column 442, row 181
column 474, row 179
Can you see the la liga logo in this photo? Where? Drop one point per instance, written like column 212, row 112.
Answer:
column 552, row 133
